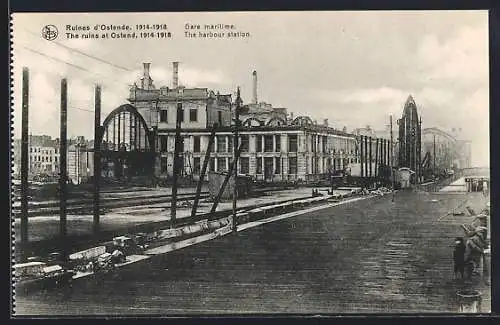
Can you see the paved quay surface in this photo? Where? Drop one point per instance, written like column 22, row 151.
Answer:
column 373, row 255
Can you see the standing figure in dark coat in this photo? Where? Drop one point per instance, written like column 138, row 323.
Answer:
column 459, row 257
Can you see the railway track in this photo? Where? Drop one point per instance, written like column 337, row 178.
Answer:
column 86, row 205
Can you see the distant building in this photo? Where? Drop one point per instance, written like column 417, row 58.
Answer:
column 463, row 149
column 274, row 147
column 444, row 150
column 201, row 108
column 80, row 161
column 44, row 157
column 385, row 134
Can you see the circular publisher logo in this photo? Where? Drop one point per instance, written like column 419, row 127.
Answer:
column 50, row 32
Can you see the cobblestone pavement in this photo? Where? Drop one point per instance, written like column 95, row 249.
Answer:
column 374, row 255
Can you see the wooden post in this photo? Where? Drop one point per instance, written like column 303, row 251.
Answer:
column 361, row 155
column 24, row 157
column 383, row 154
column 226, row 180
column 173, row 204
column 371, row 157
column 235, row 152
column 97, row 158
column 391, row 153
column 63, row 177
column 388, row 152
column 376, row 156
column 203, row 171
column 366, row 155
column 434, row 154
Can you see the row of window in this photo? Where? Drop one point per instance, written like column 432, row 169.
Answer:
column 224, row 143
column 271, row 165
column 320, row 141
column 193, row 115
column 43, row 151
column 266, row 143
column 43, row 158
column 264, row 165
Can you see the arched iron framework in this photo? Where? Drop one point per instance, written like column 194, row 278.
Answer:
column 302, row 121
column 410, row 137
column 440, row 133
column 276, row 121
column 252, row 121
column 127, row 144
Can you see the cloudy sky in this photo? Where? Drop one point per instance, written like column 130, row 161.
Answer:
column 354, row 68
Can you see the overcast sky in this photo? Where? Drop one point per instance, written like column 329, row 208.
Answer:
column 354, row 68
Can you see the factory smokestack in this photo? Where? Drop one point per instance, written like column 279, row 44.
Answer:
column 146, row 81
column 175, row 78
column 254, row 97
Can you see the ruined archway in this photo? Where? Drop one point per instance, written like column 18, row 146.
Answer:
column 252, row 121
column 276, row 121
column 302, row 121
column 127, row 145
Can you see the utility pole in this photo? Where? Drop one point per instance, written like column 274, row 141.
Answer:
column 371, row 157
column 203, row 170
column 97, row 158
column 235, row 148
column 376, row 156
column 387, row 153
column 63, row 177
column 361, row 155
column 419, row 149
column 366, row 158
column 225, row 181
column 24, row 157
column 391, row 160
column 434, row 154
column 415, row 162
column 391, row 151
column 173, row 204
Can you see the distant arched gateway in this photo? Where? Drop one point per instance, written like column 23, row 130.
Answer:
column 127, row 144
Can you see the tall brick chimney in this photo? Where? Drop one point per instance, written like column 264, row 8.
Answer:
column 254, row 81
column 146, row 81
column 175, row 74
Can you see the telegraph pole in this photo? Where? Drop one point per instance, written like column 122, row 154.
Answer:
column 366, row 157
column 63, row 178
column 434, row 154
column 371, row 157
column 203, row 171
column 97, row 158
column 173, row 205
column 235, row 148
column 385, row 152
column 24, row 157
column 361, row 154
column 376, row 157
column 391, row 153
